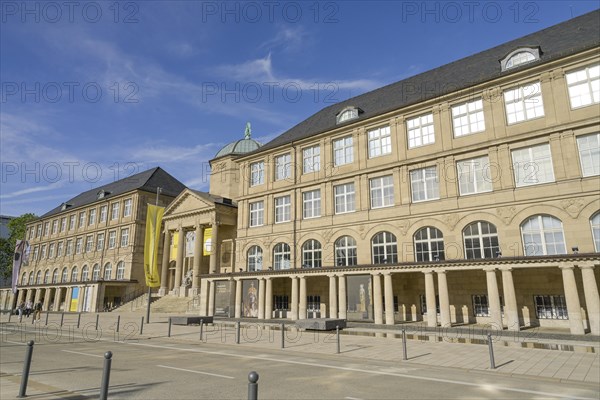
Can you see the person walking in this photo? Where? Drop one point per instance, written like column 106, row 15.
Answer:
column 37, row 311
column 21, row 310
column 28, row 308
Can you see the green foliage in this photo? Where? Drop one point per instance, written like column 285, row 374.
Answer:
column 16, row 229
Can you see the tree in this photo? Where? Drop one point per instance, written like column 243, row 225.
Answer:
column 16, row 228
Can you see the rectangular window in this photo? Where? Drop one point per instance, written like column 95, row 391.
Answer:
column 54, row 226
column 344, row 198
column 589, row 154
column 533, row 165
column 72, row 222
column 467, row 118
column 100, row 242
column 311, row 204
column 311, row 159
column 257, row 173
column 114, row 211
column 420, row 131
column 46, row 228
column 92, row 217
column 380, row 141
column 281, row 302
column 584, row 86
column 39, row 231
column 382, row 191
column 59, row 249
column 343, row 151
column 424, row 184
column 524, row 103
column 89, row 243
column 35, row 253
column 51, row 250
column 423, row 301
column 127, row 208
column 81, row 219
column 63, row 224
column 78, row 245
column 282, row 209
column 474, row 176
column 550, row 307
column 124, row 237
column 43, row 255
column 112, row 239
column 69, row 247
column 282, row 167
column 313, row 303
column 103, row 214
column 480, row 305
column 257, row 213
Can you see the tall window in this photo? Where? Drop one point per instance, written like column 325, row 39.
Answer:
column 543, row 235
column 382, row 191
column 533, row 165
column 524, row 103
column 474, row 175
column 311, row 204
column 589, row 154
column 92, row 217
column 120, row 270
column 103, row 214
column 384, row 248
column 344, row 198
column 65, row 275
column 89, row 243
column 481, row 240
column 424, row 184
column 343, row 151
column 47, row 276
column 54, row 226
column 257, row 213
column 595, row 222
column 584, row 86
column 69, row 247
column 81, row 219
column 107, row 271
column 481, row 306
column 55, row 276
column 43, row 255
column 51, row 250
column 550, row 307
column 114, row 211
column 281, row 256
column 59, row 249
column 380, row 141
column 63, row 224
column 35, row 253
column 47, row 228
column 74, row 274
column 282, row 209
column 96, row 272
column 38, row 278
column 255, row 258
column 311, row 159
column 345, row 251
column 467, row 118
column 85, row 273
column 124, row 237
column 100, row 242
column 127, row 208
column 429, row 244
column 311, row 254
column 420, row 131
column 72, row 222
column 78, row 245
column 257, row 173
column 39, row 231
column 282, row 167
column 112, row 239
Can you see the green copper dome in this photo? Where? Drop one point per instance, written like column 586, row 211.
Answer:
column 241, row 146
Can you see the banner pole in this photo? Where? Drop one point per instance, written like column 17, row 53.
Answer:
column 158, row 190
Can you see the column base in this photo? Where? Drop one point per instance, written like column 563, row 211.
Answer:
column 183, row 291
column 162, row 291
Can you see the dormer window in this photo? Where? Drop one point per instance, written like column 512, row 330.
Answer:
column 347, row 114
column 102, row 194
column 64, row 206
column 519, row 57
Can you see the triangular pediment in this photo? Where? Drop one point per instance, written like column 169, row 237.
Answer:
column 187, row 202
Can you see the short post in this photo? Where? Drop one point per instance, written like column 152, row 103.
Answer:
column 252, row 386
column 404, row 352
column 78, row 320
column 62, row 318
column 169, row 333
column 283, row 336
column 201, row 328
column 26, row 367
column 142, row 326
column 237, row 332
column 97, row 320
column 32, row 319
column 10, row 312
column 491, row 349
column 47, row 315
column 337, row 334
column 118, row 322
column 105, row 376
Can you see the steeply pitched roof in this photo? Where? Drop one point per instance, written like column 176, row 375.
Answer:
column 146, row 181
column 557, row 41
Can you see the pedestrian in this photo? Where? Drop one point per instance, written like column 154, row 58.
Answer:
column 28, row 308
column 21, row 310
column 37, row 311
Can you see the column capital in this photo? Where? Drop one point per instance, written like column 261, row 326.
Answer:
column 566, row 266
column 587, row 265
column 441, row 271
column 385, row 273
column 428, row 271
column 489, row 269
column 506, row 268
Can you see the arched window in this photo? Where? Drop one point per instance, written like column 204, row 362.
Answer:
column 31, row 277
column 595, row 222
column 55, row 276
column 120, row 270
column 345, row 251
column 74, row 274
column 522, row 57
column 65, row 275
column 107, row 271
column 281, row 256
column 347, row 114
column 255, row 258
column 429, row 244
column 481, row 240
column 96, row 272
column 38, row 278
column 543, row 235
column 24, row 279
column 47, row 276
column 311, row 254
column 85, row 273
column 384, row 248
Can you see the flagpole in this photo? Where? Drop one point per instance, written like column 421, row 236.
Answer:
column 158, row 190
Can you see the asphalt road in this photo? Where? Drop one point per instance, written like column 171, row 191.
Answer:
column 71, row 368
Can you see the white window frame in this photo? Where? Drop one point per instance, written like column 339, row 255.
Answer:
column 589, row 154
column 108, row 271
column 85, row 273
column 587, row 82
column 379, row 141
column 382, row 191
column 124, row 237
column 69, row 249
column 345, row 198
column 74, row 274
column 112, row 239
column 519, row 58
column 54, row 226
column 283, row 208
column 46, row 228
column 543, row 232
column 103, row 213
column 281, row 256
column 532, row 165
column 100, row 241
column 59, row 249
column 63, row 224
column 72, row 222
column 343, row 151
column 420, row 130
column 257, row 173
column 96, row 272
column 524, row 103
column 474, row 169
column 257, row 213
column 255, row 259
column 127, row 207
column 468, row 118
column 595, row 225
column 311, row 204
column 89, row 243
column 424, row 184
column 114, row 210
column 312, row 256
column 78, row 245
column 483, row 242
column 434, row 244
column 51, row 250
column 82, row 220
column 346, row 251
column 283, row 167
column 120, row 270
column 92, row 217
column 311, row 159
column 43, row 252
column 384, row 248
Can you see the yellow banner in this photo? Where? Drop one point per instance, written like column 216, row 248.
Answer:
column 74, row 299
column 153, row 221
column 207, row 242
column 174, row 243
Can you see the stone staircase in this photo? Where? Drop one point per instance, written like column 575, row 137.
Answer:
column 170, row 304
column 165, row 304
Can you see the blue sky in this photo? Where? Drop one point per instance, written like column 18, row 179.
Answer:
column 95, row 91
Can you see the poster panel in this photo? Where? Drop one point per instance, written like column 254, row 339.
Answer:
column 360, row 297
column 250, row 298
column 74, row 299
column 223, row 306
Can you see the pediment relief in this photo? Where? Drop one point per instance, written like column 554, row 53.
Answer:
column 188, row 202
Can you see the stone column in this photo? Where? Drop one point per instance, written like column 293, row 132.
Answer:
column 47, row 299
column 572, row 299
column 332, row 297
column 204, row 297
column 164, row 280
column 179, row 260
column 20, row 296
column 445, row 320
column 430, row 299
column 511, row 311
column 493, row 298
column 197, row 259
column 57, row 296
column 592, row 300
column 211, row 298
column 269, row 299
column 294, row 316
column 343, row 303
column 388, row 291
column 214, row 248
column 36, row 298
column 377, row 300
column 238, row 298
column 261, row 299
column 68, row 296
column 302, row 305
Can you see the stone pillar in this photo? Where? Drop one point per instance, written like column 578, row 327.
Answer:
column 389, row 298
column 68, row 296
column 238, row 298
column 47, row 299
column 294, row 316
column 445, row 320
column 377, row 299
column 57, row 296
column 493, row 298
column 332, row 297
column 572, row 299
column 343, row 303
column 430, row 299
column 214, row 248
column 179, row 260
column 197, row 259
column 269, row 299
column 592, row 299
column 511, row 311
column 211, row 298
column 20, row 296
column 164, row 280
column 36, row 298
column 302, row 305
column 204, row 297
column 261, row 299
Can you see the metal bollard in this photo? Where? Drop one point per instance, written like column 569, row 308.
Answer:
column 491, row 348
column 283, row 336
column 78, row 320
column 26, row 366
column 97, row 320
column 252, row 386
column 47, row 315
column 201, row 328
column 169, row 333
column 337, row 334
column 237, row 332
column 142, row 326
column 32, row 319
column 118, row 322
column 62, row 318
column 404, row 352
column 105, row 375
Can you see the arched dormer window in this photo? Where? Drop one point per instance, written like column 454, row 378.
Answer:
column 520, row 56
column 347, row 114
